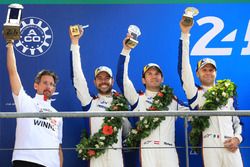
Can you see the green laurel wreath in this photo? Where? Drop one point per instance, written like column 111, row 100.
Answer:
column 145, row 126
column 96, row 145
column 216, row 97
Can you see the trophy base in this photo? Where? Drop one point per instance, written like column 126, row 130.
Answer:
column 11, row 32
column 188, row 21
column 131, row 43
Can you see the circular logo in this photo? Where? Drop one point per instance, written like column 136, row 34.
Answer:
column 36, row 37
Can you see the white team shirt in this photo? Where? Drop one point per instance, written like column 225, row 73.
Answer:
column 41, row 137
column 100, row 103
column 225, row 126
column 164, row 134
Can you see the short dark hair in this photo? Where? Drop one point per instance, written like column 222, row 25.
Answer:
column 46, row 72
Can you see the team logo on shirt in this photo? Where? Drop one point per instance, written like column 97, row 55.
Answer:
column 147, row 142
column 104, row 102
column 102, row 106
column 149, row 100
column 169, row 144
column 36, row 37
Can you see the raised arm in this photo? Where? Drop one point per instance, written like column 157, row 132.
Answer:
column 122, row 78
column 79, row 80
column 15, row 81
column 184, row 67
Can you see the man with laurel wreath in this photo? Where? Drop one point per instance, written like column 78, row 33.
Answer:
column 223, row 132
column 158, row 149
column 104, row 82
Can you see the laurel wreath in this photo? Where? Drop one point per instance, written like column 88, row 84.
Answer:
column 97, row 144
column 216, row 97
column 145, row 126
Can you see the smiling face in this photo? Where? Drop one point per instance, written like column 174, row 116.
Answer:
column 152, row 79
column 46, row 86
column 104, row 83
column 207, row 75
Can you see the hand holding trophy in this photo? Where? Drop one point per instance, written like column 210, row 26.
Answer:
column 77, row 29
column 190, row 12
column 76, row 32
column 135, row 32
column 11, row 28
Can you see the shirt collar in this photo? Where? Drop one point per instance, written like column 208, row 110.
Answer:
column 150, row 93
column 104, row 96
column 41, row 98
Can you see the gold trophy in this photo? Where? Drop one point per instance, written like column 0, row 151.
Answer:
column 190, row 12
column 135, row 32
column 11, row 28
column 76, row 29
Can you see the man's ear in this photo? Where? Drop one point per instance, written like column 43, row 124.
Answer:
column 197, row 74
column 143, row 80
column 54, row 89
column 112, row 82
column 35, row 86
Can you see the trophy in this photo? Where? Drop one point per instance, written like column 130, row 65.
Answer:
column 134, row 31
column 190, row 12
column 11, row 28
column 76, row 29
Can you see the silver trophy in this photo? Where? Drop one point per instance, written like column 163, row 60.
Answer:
column 135, row 32
column 190, row 12
column 11, row 28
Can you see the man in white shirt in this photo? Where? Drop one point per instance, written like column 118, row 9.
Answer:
column 158, row 149
column 104, row 82
column 224, row 131
column 38, row 141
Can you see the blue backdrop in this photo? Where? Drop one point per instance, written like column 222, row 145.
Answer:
column 220, row 31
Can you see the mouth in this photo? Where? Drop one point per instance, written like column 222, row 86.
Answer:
column 155, row 81
column 46, row 92
column 103, row 86
column 208, row 77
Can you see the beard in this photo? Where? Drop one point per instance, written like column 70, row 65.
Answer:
column 47, row 93
column 104, row 91
column 207, row 81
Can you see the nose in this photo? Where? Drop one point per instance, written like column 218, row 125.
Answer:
column 154, row 76
column 49, row 85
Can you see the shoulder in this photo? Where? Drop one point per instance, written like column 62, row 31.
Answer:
column 140, row 93
column 22, row 96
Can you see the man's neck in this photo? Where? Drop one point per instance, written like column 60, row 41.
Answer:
column 105, row 94
column 154, row 89
column 208, row 85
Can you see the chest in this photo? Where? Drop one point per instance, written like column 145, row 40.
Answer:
column 101, row 104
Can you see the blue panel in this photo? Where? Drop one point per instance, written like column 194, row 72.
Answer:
column 102, row 44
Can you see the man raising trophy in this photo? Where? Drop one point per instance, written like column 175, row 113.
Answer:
column 154, row 135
